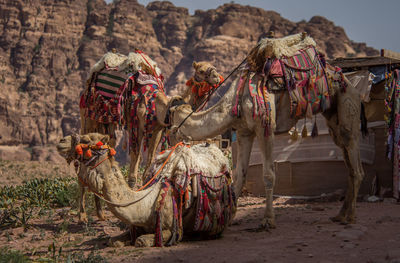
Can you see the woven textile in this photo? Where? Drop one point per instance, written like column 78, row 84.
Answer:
column 215, row 204
column 259, row 94
column 307, row 83
column 104, row 97
column 392, row 103
column 144, row 89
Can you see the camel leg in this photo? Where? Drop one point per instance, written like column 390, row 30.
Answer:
column 266, row 146
column 148, row 239
column 82, row 212
column 356, row 175
column 134, row 167
column 99, row 209
column 344, row 128
column 136, row 159
column 245, row 142
column 153, row 144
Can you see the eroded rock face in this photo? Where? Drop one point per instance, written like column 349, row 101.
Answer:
column 47, row 48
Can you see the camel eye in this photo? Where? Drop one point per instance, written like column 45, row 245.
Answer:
column 201, row 71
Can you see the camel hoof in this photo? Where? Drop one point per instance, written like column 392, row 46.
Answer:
column 131, row 183
column 267, row 224
column 83, row 218
column 142, row 242
column 339, row 219
column 117, row 243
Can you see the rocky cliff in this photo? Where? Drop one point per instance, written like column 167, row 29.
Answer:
column 48, row 46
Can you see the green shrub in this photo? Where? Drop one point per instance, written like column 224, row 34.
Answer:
column 11, row 256
column 91, row 258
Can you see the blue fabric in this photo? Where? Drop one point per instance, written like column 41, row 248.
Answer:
column 379, row 72
column 233, row 136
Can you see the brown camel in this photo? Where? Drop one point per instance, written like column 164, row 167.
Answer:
column 205, row 79
column 151, row 211
column 204, row 73
column 343, row 119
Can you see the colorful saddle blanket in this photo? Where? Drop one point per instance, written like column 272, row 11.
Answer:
column 306, row 82
column 215, row 204
column 104, row 97
column 144, row 87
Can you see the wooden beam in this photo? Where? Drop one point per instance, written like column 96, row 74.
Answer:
column 390, row 54
column 362, row 62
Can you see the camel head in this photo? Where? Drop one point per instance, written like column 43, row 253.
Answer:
column 205, row 71
column 66, row 146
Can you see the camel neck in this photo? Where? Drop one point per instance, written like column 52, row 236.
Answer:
column 213, row 121
column 116, row 190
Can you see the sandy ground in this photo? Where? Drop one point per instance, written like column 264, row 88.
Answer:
column 304, row 233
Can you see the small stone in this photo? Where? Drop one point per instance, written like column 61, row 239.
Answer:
column 373, row 199
column 350, row 234
column 310, row 255
column 299, row 249
column 318, row 208
column 389, row 200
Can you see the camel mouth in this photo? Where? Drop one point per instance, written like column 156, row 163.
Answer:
column 63, row 150
column 214, row 80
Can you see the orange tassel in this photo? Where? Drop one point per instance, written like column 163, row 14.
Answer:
column 78, row 150
column 112, row 152
column 88, row 153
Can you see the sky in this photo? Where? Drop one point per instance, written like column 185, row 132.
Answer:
column 375, row 22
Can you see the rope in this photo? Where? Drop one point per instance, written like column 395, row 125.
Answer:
column 162, row 167
column 154, row 72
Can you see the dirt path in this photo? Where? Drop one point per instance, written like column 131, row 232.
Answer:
column 304, row 233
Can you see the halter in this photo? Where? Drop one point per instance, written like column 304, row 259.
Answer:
column 99, row 149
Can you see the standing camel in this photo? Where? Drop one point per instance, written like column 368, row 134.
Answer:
column 264, row 99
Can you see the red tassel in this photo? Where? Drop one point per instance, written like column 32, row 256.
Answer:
column 78, row 150
column 100, row 143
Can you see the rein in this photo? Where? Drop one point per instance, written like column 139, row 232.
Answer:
column 101, row 196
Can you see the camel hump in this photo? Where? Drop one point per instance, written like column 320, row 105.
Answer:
column 285, row 46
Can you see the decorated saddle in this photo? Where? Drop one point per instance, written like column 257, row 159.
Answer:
column 104, row 93
column 289, row 64
column 144, row 87
column 104, row 97
column 117, row 84
column 194, row 186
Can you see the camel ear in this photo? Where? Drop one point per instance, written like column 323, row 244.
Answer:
column 75, row 139
column 105, row 139
column 195, row 65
